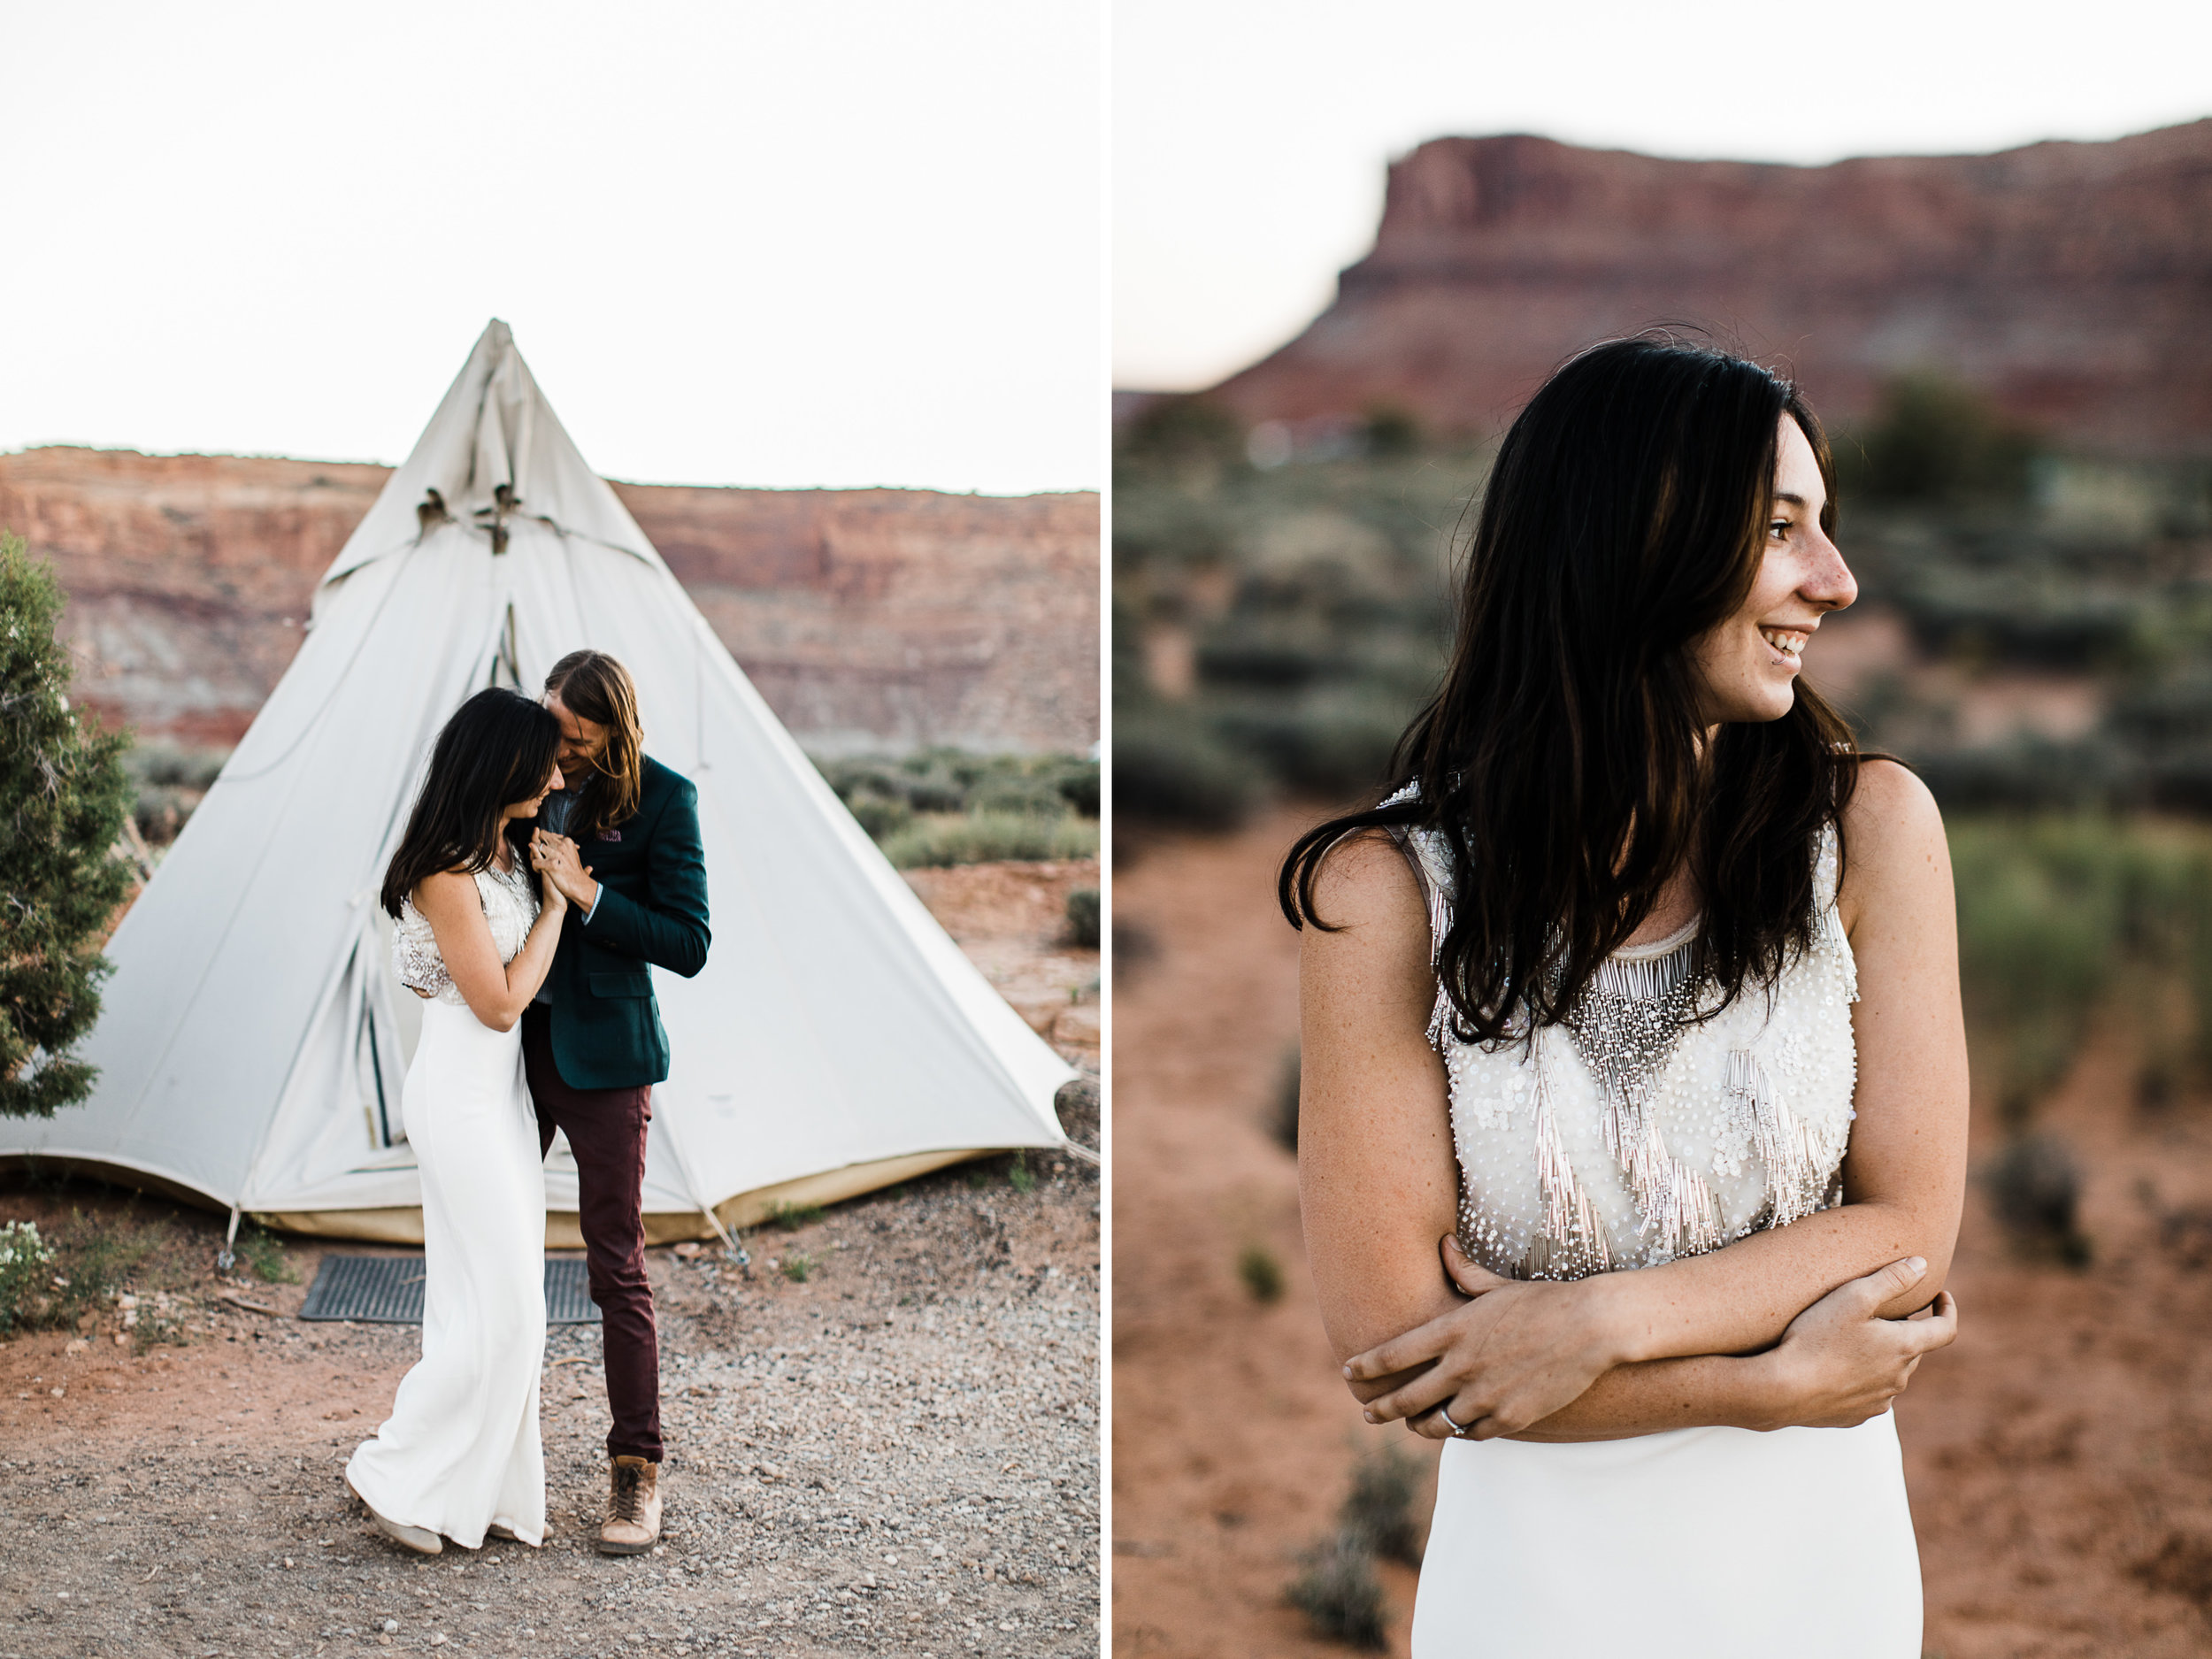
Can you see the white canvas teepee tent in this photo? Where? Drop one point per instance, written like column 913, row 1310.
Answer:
column 253, row 1040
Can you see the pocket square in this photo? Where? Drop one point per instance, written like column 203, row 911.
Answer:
column 611, row 835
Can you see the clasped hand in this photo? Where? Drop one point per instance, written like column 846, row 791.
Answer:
column 554, row 858
column 1520, row 1350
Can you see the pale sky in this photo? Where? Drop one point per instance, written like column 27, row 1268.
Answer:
column 842, row 242
column 1250, row 137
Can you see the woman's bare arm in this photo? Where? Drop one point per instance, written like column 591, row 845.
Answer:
column 1519, row 1356
column 496, row 992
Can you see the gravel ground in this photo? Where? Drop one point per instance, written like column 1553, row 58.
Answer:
column 897, row 1454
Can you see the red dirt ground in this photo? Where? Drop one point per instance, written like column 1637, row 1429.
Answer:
column 2059, row 1456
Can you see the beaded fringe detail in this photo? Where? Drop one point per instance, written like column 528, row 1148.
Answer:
column 1796, row 1157
column 1626, row 1027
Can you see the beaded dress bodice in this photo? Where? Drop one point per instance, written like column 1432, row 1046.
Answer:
column 1629, row 1134
column 509, row 906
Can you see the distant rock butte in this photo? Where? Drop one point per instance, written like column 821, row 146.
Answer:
column 2070, row 282
column 868, row 618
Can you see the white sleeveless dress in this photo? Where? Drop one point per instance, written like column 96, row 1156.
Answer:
column 1624, row 1141
column 461, row 1452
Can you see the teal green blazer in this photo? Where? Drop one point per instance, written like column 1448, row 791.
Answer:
column 652, row 875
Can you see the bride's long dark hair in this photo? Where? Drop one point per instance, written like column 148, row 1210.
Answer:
column 1564, row 758
column 498, row 748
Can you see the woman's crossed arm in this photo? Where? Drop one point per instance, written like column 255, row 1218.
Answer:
column 1677, row 1345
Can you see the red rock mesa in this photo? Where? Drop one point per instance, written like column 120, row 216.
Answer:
column 2071, row 282
column 874, row 619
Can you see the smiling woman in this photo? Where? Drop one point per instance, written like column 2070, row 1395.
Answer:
column 1639, row 966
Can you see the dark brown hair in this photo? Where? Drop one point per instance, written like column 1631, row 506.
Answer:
column 594, row 687
column 1564, row 759
column 497, row 750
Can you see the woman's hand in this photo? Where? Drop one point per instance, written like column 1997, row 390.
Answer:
column 1515, row 1353
column 1840, row 1363
column 554, row 858
column 551, row 900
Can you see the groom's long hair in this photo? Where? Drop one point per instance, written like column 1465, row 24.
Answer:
column 594, row 687
column 497, row 750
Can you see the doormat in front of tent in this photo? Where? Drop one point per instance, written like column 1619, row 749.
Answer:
column 387, row 1290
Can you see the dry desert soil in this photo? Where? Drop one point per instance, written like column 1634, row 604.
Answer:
column 2059, row 1455
column 898, row 1454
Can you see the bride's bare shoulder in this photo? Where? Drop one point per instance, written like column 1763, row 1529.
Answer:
column 1892, row 838
column 1369, row 910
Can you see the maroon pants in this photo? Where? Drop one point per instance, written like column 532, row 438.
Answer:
column 606, row 1131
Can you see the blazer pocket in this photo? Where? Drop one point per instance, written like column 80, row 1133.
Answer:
column 622, row 984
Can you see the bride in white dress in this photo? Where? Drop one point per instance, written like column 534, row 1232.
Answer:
column 1633, row 1129
column 460, row 1456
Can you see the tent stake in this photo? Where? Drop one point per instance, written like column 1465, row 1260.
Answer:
column 226, row 1258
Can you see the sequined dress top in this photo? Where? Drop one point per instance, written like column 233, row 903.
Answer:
column 1629, row 1134
column 510, row 907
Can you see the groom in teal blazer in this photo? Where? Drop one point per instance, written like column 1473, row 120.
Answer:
column 621, row 840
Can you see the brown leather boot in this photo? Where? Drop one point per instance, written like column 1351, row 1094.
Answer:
column 634, row 1508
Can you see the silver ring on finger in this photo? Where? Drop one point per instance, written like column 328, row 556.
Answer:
column 1458, row 1433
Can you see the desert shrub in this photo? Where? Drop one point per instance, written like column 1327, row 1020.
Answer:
column 168, row 765
column 881, row 815
column 798, row 1267
column 1261, row 1273
column 791, row 1218
column 26, row 1272
column 1391, row 430
column 1083, row 917
column 1078, row 786
column 886, row 794
column 1282, row 1118
column 2034, row 1186
column 1340, row 1592
column 86, row 1263
column 1019, row 1176
column 988, row 837
column 2041, row 910
column 259, row 1252
column 1180, row 430
column 1378, row 1509
column 1932, row 439
column 1014, row 793
column 1335, row 742
column 1169, row 768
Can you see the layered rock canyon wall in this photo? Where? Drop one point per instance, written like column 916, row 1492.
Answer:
column 2071, row 282
column 880, row 618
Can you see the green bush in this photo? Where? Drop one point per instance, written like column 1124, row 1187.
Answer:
column 798, row 1268
column 1933, row 440
column 1083, row 917
column 881, row 815
column 1340, row 1592
column 1378, row 1509
column 1029, row 795
column 791, row 1218
column 1261, row 1273
column 1169, row 769
column 261, row 1255
column 988, row 837
column 63, row 797
column 1282, row 1118
column 2034, row 1186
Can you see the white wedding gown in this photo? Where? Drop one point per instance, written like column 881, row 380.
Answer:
column 460, row 1452
column 1626, row 1138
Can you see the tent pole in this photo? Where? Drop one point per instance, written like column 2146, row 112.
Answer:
column 226, row 1258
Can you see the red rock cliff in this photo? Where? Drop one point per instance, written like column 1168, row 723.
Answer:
column 866, row 618
column 2072, row 281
